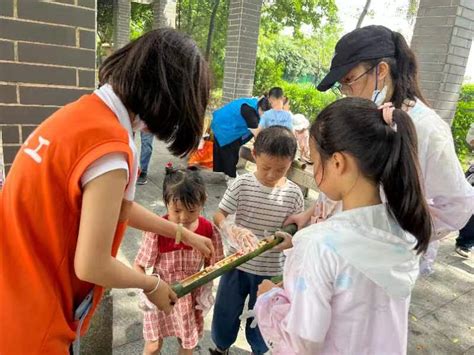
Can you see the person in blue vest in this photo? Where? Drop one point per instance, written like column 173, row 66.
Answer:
column 233, row 125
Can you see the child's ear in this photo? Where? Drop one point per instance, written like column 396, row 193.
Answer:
column 254, row 154
column 339, row 162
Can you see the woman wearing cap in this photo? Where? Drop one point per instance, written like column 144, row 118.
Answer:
column 376, row 63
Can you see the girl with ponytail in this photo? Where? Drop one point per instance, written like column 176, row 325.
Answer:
column 376, row 63
column 348, row 279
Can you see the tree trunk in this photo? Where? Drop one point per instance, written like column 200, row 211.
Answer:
column 364, row 12
column 178, row 17
column 211, row 29
column 190, row 26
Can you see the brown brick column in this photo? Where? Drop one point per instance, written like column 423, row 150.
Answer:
column 241, row 48
column 442, row 40
column 47, row 59
column 122, row 10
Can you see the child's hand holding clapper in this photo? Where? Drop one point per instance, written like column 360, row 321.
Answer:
column 239, row 238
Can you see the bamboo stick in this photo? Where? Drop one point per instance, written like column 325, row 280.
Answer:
column 183, row 287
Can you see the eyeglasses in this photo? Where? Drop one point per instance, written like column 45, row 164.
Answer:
column 343, row 86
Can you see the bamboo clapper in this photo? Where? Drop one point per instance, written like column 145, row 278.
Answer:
column 187, row 285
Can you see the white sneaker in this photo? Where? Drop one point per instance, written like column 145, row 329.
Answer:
column 464, row 252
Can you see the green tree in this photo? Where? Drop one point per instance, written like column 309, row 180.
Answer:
column 141, row 19
column 296, row 13
column 298, row 38
column 463, row 119
column 298, row 57
column 206, row 23
column 105, row 25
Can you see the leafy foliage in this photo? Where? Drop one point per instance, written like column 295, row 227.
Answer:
column 105, row 22
column 463, row 119
column 302, row 51
column 141, row 19
column 194, row 17
column 305, row 99
column 278, row 14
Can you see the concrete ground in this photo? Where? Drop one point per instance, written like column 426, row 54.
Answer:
column 441, row 314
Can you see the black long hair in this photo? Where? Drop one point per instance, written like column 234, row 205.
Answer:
column 403, row 70
column 385, row 155
column 264, row 104
column 184, row 185
column 163, row 77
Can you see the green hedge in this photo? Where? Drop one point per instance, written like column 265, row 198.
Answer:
column 463, row 118
column 305, row 99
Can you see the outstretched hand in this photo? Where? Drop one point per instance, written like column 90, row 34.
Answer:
column 301, row 219
column 239, row 238
column 265, row 286
column 285, row 244
column 201, row 244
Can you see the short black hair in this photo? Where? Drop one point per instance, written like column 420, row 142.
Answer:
column 184, row 185
column 276, row 141
column 163, row 77
column 276, row 92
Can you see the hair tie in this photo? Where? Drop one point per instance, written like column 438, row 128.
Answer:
column 169, row 168
column 387, row 114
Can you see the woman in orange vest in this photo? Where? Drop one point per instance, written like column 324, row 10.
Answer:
column 69, row 194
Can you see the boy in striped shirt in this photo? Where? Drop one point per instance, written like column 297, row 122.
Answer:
column 261, row 202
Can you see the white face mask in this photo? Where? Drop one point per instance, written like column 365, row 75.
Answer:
column 379, row 96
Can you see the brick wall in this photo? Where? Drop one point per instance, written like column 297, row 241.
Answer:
column 47, row 59
column 442, row 40
column 241, row 48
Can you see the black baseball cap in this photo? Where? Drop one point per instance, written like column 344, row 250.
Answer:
column 370, row 42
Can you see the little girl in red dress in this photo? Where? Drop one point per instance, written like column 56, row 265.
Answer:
column 184, row 194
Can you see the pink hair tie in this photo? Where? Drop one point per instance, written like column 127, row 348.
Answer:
column 387, row 113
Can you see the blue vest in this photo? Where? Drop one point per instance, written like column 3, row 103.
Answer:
column 228, row 124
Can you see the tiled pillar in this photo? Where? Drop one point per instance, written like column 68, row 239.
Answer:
column 241, row 48
column 442, row 40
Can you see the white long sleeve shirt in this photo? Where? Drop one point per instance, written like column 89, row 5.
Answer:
column 347, row 286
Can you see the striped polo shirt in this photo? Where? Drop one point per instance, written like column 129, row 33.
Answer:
column 260, row 208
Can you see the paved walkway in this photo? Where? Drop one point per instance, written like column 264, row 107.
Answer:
column 441, row 315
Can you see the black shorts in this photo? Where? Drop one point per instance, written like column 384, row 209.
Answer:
column 225, row 158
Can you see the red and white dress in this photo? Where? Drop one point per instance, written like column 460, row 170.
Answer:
column 174, row 262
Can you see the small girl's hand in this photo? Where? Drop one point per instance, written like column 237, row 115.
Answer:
column 265, row 286
column 163, row 298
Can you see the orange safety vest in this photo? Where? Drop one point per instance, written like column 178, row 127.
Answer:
column 40, row 208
